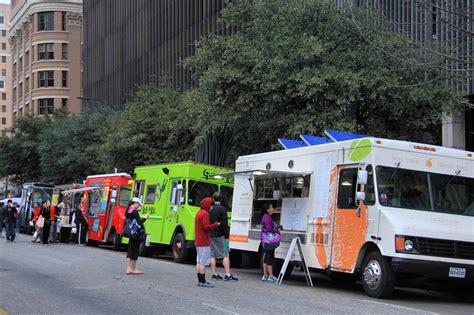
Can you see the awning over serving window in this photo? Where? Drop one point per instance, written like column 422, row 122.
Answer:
column 78, row 190
column 263, row 174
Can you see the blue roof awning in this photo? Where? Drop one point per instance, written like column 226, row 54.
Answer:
column 314, row 140
column 291, row 144
column 337, row 136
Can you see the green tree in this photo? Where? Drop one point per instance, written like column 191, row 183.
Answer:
column 19, row 151
column 301, row 67
column 155, row 127
column 70, row 146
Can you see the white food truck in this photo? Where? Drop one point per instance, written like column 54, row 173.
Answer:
column 389, row 211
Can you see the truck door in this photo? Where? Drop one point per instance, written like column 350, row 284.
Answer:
column 350, row 222
column 110, row 212
column 174, row 208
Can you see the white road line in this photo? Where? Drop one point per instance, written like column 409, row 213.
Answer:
column 60, row 261
column 401, row 307
column 220, row 309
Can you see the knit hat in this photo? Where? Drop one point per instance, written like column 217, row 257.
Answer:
column 206, row 204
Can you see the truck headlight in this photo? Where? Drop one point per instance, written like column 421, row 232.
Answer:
column 409, row 245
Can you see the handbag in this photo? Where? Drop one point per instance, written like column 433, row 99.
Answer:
column 131, row 229
column 40, row 222
column 270, row 240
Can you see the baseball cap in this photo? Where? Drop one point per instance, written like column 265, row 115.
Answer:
column 137, row 200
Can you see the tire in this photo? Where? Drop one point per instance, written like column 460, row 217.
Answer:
column 116, row 242
column 180, row 252
column 378, row 278
column 90, row 242
column 145, row 251
column 278, row 264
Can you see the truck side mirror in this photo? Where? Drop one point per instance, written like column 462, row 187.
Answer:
column 360, row 195
column 362, row 176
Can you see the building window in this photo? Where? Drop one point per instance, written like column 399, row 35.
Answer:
column 64, row 51
column 2, row 84
column 4, row 33
column 4, row 59
column 4, row 46
column 4, row 72
column 64, row 102
column 4, row 96
column 27, row 58
column 4, row 121
column 46, row 51
column 63, row 21
column 14, row 95
column 46, row 106
column 4, row 108
column 46, row 21
column 20, row 90
column 2, row 19
column 45, row 79
column 27, row 85
column 64, row 78
column 20, row 65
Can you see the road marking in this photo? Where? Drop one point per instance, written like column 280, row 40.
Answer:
column 61, row 262
column 401, row 307
column 220, row 309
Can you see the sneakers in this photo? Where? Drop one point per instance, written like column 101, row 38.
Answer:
column 230, row 278
column 205, row 285
column 272, row 279
column 264, row 278
column 216, row 277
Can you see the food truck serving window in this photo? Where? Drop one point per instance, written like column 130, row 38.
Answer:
column 125, row 195
column 95, row 198
column 227, row 193
column 150, row 194
column 402, row 188
column 199, row 191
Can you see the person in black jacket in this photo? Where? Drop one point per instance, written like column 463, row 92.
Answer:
column 46, row 214
column 10, row 215
column 2, row 220
column 134, row 243
column 220, row 240
column 78, row 220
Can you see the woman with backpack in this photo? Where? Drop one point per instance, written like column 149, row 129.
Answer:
column 132, row 213
column 269, row 230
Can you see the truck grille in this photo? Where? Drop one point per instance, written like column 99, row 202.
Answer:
column 445, row 248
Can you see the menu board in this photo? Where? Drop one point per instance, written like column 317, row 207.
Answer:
column 321, row 186
column 294, row 214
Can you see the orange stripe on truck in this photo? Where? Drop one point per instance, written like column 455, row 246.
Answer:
column 239, row 238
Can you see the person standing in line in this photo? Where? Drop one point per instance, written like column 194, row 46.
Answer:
column 79, row 222
column 46, row 213
column 220, row 240
column 131, row 213
column 36, row 216
column 2, row 220
column 11, row 215
column 57, row 212
column 17, row 221
column 202, row 229
column 269, row 226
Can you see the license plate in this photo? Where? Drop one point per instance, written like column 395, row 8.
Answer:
column 455, row 272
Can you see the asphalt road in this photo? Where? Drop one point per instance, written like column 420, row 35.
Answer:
column 66, row 279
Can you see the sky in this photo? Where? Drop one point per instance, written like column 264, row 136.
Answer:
column 5, row 1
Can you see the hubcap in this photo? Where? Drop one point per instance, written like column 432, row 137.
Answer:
column 373, row 274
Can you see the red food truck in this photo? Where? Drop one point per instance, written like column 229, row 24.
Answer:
column 104, row 204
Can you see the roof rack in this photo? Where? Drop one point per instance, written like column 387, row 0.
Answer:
column 309, row 140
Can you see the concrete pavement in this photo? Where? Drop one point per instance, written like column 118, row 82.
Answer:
column 66, row 279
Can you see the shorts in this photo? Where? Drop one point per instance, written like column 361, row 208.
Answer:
column 219, row 250
column 203, row 255
column 269, row 256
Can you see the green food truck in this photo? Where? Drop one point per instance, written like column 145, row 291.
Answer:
column 171, row 194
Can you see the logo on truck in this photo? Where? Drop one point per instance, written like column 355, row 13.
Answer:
column 360, row 149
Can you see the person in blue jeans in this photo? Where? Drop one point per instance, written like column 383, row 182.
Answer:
column 10, row 215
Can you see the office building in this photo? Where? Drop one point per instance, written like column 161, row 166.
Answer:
column 45, row 41
column 5, row 70
column 130, row 43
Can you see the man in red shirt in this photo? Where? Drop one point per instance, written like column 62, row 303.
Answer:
column 202, row 228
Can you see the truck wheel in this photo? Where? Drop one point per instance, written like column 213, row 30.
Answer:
column 145, row 251
column 378, row 278
column 90, row 242
column 116, row 242
column 278, row 264
column 180, row 252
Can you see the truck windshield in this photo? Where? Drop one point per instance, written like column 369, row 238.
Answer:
column 125, row 195
column 401, row 188
column 199, row 191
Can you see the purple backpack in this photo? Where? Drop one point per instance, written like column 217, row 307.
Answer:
column 270, row 240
